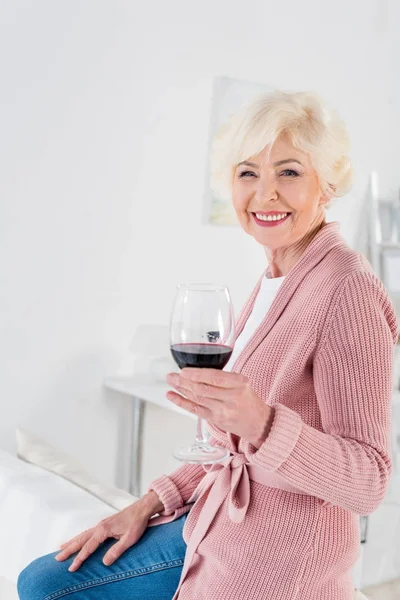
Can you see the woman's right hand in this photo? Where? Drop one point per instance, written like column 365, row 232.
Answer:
column 127, row 527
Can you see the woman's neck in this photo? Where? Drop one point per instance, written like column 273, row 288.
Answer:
column 282, row 260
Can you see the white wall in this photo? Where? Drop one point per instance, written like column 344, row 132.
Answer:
column 104, row 124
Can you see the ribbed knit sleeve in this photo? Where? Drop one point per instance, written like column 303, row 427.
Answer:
column 174, row 490
column 348, row 464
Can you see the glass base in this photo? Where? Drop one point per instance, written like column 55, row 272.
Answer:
column 203, row 454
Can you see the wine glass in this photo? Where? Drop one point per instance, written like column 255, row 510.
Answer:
column 202, row 334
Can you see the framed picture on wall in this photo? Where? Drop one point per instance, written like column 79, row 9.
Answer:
column 228, row 96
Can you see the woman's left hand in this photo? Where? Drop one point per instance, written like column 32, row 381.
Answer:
column 225, row 399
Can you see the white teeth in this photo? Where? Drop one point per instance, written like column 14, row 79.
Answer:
column 271, row 217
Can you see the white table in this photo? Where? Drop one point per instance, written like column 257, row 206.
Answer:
column 140, row 389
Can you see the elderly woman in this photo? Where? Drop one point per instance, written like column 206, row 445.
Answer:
column 303, row 405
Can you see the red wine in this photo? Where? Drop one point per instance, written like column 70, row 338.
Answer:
column 210, row 356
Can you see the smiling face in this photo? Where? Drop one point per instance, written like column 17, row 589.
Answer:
column 277, row 196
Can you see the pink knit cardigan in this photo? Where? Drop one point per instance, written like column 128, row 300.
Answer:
column 282, row 522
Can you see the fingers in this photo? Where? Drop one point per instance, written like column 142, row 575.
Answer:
column 193, row 407
column 80, row 535
column 65, row 544
column 204, row 390
column 119, row 548
column 74, row 544
column 199, row 392
column 89, row 547
column 223, row 379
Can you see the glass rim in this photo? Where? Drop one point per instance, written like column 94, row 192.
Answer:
column 203, row 287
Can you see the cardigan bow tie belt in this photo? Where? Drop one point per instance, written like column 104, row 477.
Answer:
column 230, row 477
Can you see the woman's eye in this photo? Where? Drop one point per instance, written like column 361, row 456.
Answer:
column 289, row 173
column 246, row 174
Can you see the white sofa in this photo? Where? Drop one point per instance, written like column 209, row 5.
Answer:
column 38, row 511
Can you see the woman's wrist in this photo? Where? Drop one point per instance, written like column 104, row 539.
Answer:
column 152, row 503
column 265, row 427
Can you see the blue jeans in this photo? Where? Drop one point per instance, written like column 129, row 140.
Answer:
column 149, row 570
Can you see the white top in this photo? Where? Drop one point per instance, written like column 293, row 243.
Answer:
column 266, row 294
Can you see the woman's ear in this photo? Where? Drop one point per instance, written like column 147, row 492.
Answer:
column 328, row 194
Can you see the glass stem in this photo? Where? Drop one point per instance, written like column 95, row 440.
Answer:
column 201, row 436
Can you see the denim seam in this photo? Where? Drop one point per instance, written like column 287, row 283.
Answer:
column 118, row 576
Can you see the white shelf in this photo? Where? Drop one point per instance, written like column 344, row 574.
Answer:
column 145, row 388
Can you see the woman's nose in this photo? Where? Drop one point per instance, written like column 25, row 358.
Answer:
column 266, row 190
